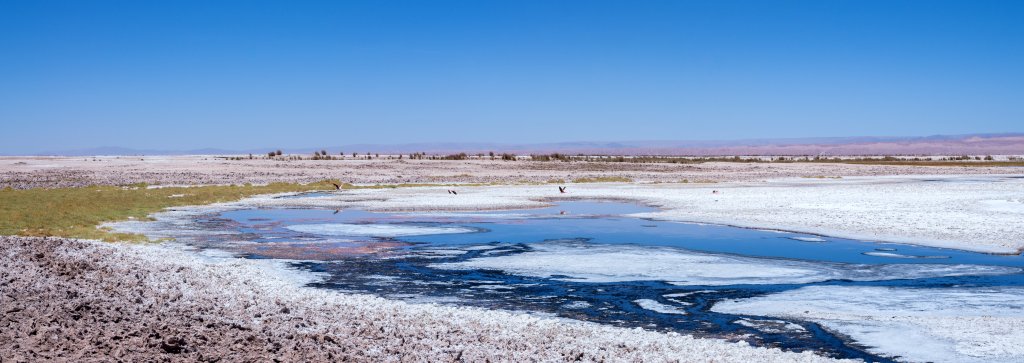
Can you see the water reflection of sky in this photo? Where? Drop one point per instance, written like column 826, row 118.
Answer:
column 603, row 222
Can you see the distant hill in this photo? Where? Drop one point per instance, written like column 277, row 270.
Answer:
column 975, row 144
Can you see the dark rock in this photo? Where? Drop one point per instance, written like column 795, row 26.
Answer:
column 173, row 345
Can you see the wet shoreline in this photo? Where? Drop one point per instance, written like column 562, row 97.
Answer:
column 396, row 272
column 176, row 304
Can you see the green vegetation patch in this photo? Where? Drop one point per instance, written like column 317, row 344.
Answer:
column 76, row 212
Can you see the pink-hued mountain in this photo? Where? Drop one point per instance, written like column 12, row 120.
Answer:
column 977, row 144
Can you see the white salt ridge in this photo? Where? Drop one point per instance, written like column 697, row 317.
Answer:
column 898, row 255
column 616, row 263
column 771, row 326
column 688, row 293
column 577, row 305
column 771, row 230
column 808, row 239
column 381, row 277
column 680, row 302
column 916, row 324
column 655, row 306
column 493, row 287
column 375, row 230
column 473, row 215
column 479, row 247
column 495, row 251
column 438, row 253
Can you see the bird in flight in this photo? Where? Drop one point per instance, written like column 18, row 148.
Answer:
column 336, row 186
column 561, row 189
column 452, row 192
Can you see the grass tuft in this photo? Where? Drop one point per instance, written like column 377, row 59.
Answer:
column 76, row 212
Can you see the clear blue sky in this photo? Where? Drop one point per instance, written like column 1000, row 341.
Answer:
column 243, row 74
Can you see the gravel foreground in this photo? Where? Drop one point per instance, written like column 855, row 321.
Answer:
column 73, row 300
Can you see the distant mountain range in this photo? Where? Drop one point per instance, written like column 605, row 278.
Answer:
column 974, row 144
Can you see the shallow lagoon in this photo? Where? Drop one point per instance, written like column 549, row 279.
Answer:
column 406, row 265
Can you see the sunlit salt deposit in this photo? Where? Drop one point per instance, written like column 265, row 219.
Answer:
column 771, row 326
column 604, row 263
column 375, row 230
column 655, row 306
column 577, row 305
column 1009, row 205
column 808, row 239
column 899, row 255
column 917, row 324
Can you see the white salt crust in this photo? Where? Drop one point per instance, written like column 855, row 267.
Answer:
column 613, row 263
column 916, row 324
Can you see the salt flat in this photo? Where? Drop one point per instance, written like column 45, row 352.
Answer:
column 974, row 213
column 919, row 325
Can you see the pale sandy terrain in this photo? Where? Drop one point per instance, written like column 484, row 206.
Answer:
column 976, row 213
column 52, row 172
column 68, row 300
